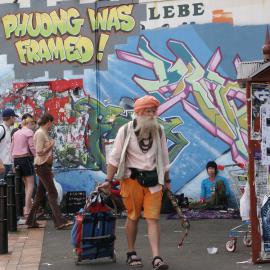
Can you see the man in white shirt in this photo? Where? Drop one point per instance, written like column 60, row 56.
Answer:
column 140, row 159
column 9, row 118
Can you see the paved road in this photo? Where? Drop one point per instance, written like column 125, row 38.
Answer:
column 57, row 251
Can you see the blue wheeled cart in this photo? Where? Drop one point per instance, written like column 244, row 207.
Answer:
column 93, row 233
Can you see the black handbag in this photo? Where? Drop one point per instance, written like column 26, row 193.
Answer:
column 145, row 178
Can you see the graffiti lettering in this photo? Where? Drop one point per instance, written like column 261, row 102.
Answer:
column 71, row 49
column 116, row 18
column 62, row 35
column 43, row 24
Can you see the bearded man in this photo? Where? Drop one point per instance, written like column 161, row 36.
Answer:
column 140, row 160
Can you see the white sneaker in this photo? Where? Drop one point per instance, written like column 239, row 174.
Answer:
column 21, row 221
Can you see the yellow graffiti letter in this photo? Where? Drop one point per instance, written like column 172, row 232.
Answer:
column 124, row 15
column 33, row 29
column 46, row 26
column 57, row 48
column 44, row 51
column 72, row 53
column 75, row 24
column 113, row 20
column 21, row 49
column 98, row 21
column 86, row 48
column 22, row 25
column 59, row 24
column 10, row 24
column 32, row 51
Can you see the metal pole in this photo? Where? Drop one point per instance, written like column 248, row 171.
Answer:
column 18, row 191
column 3, row 218
column 11, row 203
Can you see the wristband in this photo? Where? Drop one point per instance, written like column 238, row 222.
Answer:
column 107, row 180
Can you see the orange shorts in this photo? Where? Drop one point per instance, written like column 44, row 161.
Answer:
column 136, row 197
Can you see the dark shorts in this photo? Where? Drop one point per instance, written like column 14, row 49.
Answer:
column 26, row 165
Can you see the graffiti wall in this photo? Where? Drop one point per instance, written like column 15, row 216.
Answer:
column 85, row 63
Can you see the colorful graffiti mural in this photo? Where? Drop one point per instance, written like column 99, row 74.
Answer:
column 219, row 103
column 83, row 124
column 184, row 54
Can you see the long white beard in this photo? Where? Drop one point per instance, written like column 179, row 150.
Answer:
column 145, row 126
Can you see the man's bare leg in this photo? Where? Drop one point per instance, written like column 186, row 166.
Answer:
column 131, row 233
column 154, row 240
column 154, row 235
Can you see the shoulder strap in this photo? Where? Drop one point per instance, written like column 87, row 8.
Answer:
column 4, row 134
column 160, row 131
column 125, row 129
column 13, row 131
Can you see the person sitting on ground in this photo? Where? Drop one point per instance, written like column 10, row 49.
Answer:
column 215, row 190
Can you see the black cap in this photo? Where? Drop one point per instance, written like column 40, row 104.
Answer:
column 8, row 112
column 211, row 164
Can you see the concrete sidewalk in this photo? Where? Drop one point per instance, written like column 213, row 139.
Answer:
column 57, row 251
column 24, row 248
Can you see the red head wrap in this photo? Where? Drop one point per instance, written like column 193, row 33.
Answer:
column 145, row 103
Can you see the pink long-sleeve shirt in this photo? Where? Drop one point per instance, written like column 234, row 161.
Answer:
column 22, row 143
column 135, row 158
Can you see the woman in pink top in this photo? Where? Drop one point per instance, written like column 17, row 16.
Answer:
column 23, row 151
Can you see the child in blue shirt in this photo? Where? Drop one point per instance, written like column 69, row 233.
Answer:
column 215, row 190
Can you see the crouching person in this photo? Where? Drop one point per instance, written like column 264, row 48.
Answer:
column 215, row 190
column 140, row 159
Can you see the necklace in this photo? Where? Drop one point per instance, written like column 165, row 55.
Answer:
column 144, row 144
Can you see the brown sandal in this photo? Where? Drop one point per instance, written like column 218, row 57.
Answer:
column 160, row 265
column 133, row 260
column 65, row 226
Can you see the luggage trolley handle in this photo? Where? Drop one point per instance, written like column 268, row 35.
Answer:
column 100, row 196
column 91, row 199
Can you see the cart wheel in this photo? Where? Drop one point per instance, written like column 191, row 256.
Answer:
column 247, row 241
column 76, row 262
column 231, row 245
column 114, row 257
column 77, row 259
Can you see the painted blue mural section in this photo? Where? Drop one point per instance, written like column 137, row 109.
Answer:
column 191, row 69
column 201, row 41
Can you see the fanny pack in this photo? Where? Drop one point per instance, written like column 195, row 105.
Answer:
column 145, row 178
